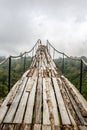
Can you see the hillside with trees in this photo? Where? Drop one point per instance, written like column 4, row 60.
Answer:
column 71, row 71
column 17, row 69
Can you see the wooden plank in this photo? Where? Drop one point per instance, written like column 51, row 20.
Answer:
column 13, row 107
column 80, row 97
column 14, row 93
column 38, row 106
column 28, row 85
column 21, row 108
column 46, row 127
column 8, row 127
column 37, row 127
column 49, row 102
column 57, row 127
column 31, row 81
column 76, row 108
column 17, row 126
column 25, row 127
column 68, row 104
column 61, row 105
column 46, row 120
column 82, row 127
column 54, row 104
column 4, row 107
column 30, row 104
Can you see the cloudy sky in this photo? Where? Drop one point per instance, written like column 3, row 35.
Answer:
column 62, row 22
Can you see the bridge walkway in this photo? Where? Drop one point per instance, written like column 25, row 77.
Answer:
column 43, row 99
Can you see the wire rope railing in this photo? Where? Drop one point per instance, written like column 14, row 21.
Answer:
column 82, row 61
column 22, row 55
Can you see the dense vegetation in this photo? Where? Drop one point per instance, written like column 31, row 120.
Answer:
column 71, row 71
column 17, row 69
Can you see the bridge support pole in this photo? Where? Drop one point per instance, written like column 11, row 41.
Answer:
column 81, row 68
column 9, row 74
column 25, row 62
column 63, row 64
column 32, row 55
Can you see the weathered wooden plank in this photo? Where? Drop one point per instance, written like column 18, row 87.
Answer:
column 4, row 107
column 57, row 127
column 83, row 127
column 8, row 127
column 13, row 107
column 17, row 126
column 68, row 104
column 76, row 108
column 14, row 93
column 38, row 106
column 21, row 108
column 37, row 127
column 46, row 127
column 80, row 97
column 30, row 104
column 54, row 104
column 46, row 120
column 25, row 127
column 49, row 102
column 61, row 105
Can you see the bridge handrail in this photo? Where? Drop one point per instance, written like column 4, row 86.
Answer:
column 21, row 55
column 70, row 57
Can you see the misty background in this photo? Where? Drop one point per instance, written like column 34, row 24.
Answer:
column 62, row 22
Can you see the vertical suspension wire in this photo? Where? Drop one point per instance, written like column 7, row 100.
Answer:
column 32, row 55
column 81, row 70
column 9, row 74
column 63, row 64
column 25, row 62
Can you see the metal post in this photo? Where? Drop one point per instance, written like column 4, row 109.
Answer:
column 63, row 64
column 32, row 54
column 9, row 74
column 25, row 62
column 81, row 68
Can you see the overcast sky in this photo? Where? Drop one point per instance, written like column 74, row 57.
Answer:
column 62, row 22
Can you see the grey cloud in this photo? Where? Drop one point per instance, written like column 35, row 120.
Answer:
column 23, row 22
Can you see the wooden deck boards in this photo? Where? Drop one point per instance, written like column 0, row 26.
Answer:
column 43, row 100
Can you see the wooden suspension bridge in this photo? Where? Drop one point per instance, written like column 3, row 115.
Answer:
column 43, row 99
